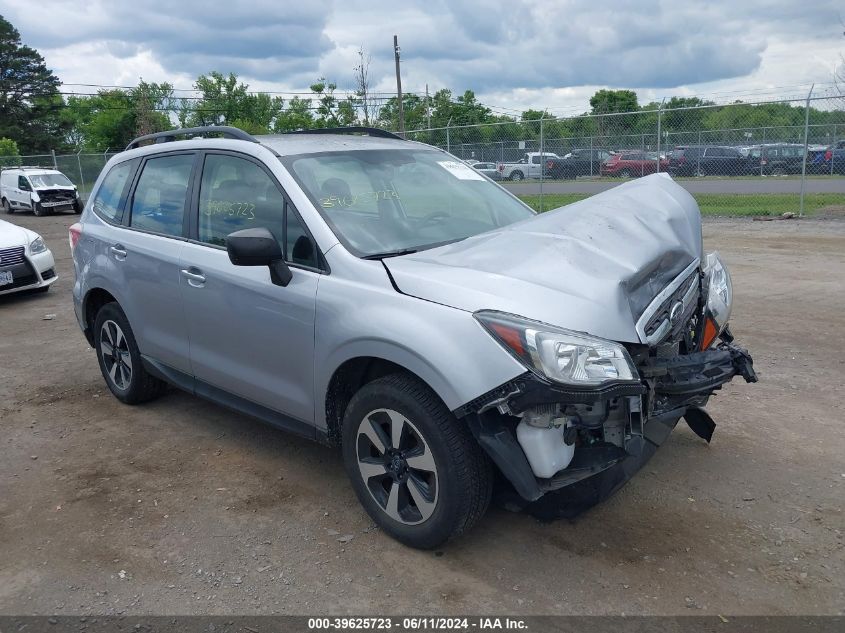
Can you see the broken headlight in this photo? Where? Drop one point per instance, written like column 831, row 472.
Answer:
column 717, row 281
column 561, row 355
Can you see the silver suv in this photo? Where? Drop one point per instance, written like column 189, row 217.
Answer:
column 380, row 295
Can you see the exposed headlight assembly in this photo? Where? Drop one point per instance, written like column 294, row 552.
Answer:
column 717, row 282
column 560, row 355
column 37, row 246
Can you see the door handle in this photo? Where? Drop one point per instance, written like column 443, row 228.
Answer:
column 195, row 278
column 118, row 251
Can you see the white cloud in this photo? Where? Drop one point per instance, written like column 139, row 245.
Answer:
column 552, row 54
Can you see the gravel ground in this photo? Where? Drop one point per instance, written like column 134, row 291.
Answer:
column 181, row 507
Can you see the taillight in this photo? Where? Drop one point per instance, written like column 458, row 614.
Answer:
column 763, row 161
column 828, row 155
column 682, row 160
column 549, row 164
column 74, row 232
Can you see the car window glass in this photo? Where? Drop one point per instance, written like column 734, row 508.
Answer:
column 236, row 194
column 343, row 185
column 299, row 247
column 23, row 183
column 158, row 204
column 107, row 202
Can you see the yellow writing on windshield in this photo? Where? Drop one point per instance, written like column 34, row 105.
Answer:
column 328, row 202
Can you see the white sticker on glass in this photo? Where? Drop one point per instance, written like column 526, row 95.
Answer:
column 460, row 170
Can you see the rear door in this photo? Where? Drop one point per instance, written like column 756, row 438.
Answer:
column 146, row 256
column 249, row 337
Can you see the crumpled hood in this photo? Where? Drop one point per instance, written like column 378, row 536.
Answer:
column 592, row 266
column 13, row 235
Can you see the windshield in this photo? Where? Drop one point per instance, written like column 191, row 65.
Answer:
column 49, row 180
column 384, row 202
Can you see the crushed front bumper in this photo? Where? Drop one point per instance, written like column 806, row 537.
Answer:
column 671, row 388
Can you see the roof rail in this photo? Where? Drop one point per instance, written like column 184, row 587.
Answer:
column 354, row 129
column 27, row 167
column 170, row 135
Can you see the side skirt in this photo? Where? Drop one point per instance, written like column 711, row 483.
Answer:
column 192, row 385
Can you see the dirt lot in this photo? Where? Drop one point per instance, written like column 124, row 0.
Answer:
column 181, row 507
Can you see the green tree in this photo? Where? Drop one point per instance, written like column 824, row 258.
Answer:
column 297, row 116
column 29, row 95
column 9, row 154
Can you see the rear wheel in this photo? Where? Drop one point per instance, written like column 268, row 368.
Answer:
column 7, row 208
column 625, row 173
column 120, row 358
column 517, row 175
column 415, row 468
column 778, row 171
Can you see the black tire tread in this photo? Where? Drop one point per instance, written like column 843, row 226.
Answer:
column 146, row 387
column 468, row 462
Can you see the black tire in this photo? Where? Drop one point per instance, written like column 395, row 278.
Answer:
column 7, row 208
column 461, row 480
column 625, row 174
column 38, row 210
column 77, row 207
column 517, row 176
column 139, row 386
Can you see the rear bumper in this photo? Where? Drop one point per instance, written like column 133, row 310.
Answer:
column 671, row 389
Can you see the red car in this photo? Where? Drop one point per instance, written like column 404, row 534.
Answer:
column 632, row 164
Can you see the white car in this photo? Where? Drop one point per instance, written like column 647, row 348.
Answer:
column 39, row 190
column 25, row 261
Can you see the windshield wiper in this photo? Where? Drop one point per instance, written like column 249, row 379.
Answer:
column 397, row 253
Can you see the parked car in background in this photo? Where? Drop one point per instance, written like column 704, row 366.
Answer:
column 39, row 190
column 488, row 169
column 776, row 159
column 529, row 166
column 632, row 164
column 578, row 162
column 707, row 160
column 378, row 294
column 25, row 261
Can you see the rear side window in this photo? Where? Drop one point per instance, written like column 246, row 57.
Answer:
column 158, row 204
column 109, row 199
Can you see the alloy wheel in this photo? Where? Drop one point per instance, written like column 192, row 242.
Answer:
column 114, row 349
column 397, row 466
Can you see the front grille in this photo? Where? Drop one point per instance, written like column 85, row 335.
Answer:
column 663, row 312
column 60, row 195
column 666, row 318
column 11, row 256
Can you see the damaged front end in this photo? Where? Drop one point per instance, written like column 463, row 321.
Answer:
column 565, row 447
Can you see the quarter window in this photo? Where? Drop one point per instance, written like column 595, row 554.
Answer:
column 108, row 201
column 158, row 204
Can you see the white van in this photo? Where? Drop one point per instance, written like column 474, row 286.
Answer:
column 39, row 190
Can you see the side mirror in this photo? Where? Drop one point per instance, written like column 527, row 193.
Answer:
column 258, row 247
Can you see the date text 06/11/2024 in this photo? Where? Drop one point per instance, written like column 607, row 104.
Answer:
column 417, row 623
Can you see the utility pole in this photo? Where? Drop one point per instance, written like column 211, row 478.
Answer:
column 399, row 87
column 428, row 113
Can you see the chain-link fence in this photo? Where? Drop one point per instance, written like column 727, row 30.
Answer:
column 738, row 159
column 765, row 158
column 81, row 169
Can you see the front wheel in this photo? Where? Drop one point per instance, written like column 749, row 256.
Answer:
column 38, row 210
column 120, row 358
column 415, row 468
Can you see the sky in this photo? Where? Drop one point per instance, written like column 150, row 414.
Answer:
column 541, row 54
